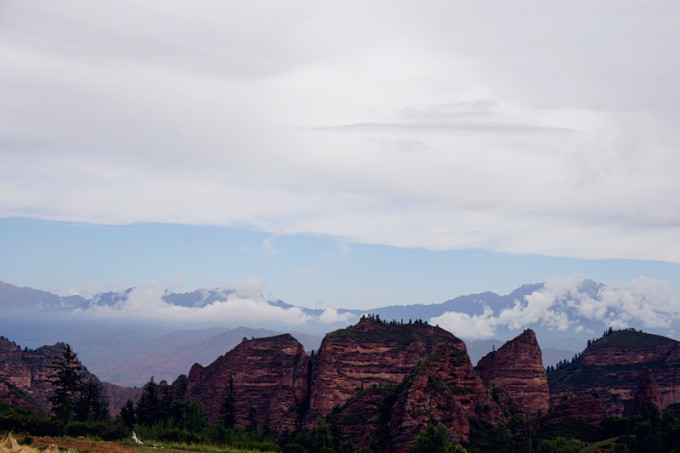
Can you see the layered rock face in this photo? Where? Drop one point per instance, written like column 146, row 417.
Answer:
column 369, row 353
column 611, row 368
column 517, row 367
column 117, row 396
column 270, row 374
column 646, row 398
column 586, row 408
column 444, row 387
column 25, row 373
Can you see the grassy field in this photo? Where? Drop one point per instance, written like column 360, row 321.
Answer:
column 9, row 444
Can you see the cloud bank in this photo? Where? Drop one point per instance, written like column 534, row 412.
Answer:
column 567, row 303
column 243, row 305
column 457, row 125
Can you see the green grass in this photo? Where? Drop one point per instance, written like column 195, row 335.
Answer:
column 629, row 339
column 403, row 334
column 173, row 447
column 578, row 377
column 437, row 384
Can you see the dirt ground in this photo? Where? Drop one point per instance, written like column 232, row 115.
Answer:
column 84, row 445
column 88, row 445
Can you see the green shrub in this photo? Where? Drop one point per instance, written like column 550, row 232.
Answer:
column 77, row 429
column 294, row 448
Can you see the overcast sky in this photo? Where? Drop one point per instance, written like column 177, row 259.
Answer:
column 527, row 138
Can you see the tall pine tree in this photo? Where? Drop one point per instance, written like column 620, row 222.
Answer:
column 148, row 405
column 67, row 381
column 228, row 408
column 90, row 405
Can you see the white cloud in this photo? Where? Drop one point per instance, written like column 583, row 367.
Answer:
column 646, row 301
column 146, row 303
column 451, row 126
column 331, row 315
column 472, row 327
column 563, row 302
column 178, row 282
column 243, row 304
column 252, row 288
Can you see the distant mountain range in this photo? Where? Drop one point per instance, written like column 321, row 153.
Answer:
column 122, row 340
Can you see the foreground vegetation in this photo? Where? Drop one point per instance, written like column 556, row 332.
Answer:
column 633, row 434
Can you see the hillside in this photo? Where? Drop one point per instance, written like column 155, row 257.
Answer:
column 23, row 375
column 611, row 367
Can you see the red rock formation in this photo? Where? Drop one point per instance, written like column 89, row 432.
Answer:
column 271, row 374
column 369, row 353
column 358, row 419
column 27, row 370
column 116, row 396
column 646, row 400
column 611, row 367
column 586, row 408
column 517, row 367
column 444, row 387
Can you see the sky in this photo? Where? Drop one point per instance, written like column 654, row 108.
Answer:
column 351, row 155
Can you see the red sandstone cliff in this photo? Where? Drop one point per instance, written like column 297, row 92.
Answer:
column 517, row 367
column 611, row 368
column 446, row 388
column 271, row 374
column 369, row 353
column 24, row 373
column 586, row 408
column 646, row 399
column 443, row 387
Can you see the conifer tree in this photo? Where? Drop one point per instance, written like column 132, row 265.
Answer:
column 148, row 405
column 90, row 405
column 228, row 408
column 67, row 382
column 127, row 414
column 252, row 420
column 195, row 417
column 433, row 439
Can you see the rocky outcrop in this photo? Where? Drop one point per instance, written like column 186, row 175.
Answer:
column 646, row 400
column 23, row 378
column 16, row 397
column 117, row 396
column 444, row 387
column 359, row 418
column 611, row 367
column 586, row 408
column 369, row 353
column 27, row 370
column 270, row 374
column 517, row 367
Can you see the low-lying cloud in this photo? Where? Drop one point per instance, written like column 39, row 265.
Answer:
column 243, row 305
column 331, row 316
column 565, row 303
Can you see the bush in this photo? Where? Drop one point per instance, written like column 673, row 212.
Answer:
column 77, row 429
column 560, row 445
column 294, row 448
